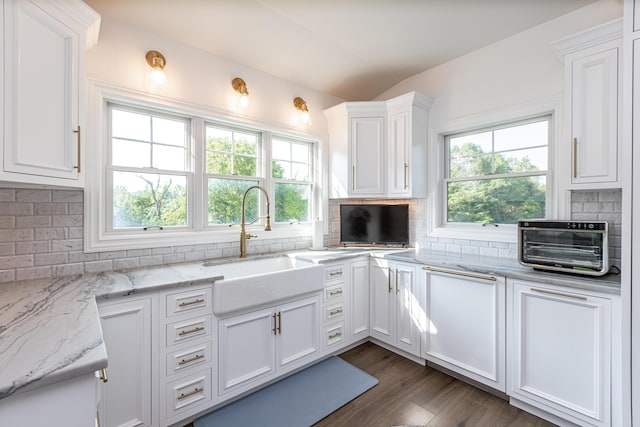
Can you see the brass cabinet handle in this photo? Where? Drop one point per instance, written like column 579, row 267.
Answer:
column 406, row 166
column 195, row 301
column 336, row 335
column 191, row 393
column 334, row 312
column 103, row 375
column 191, row 331
column 77, row 132
column 460, row 273
column 337, row 292
column 336, row 273
column 397, row 290
column 575, row 157
column 275, row 328
column 193, row 359
column 279, row 323
column 559, row 294
column 389, row 284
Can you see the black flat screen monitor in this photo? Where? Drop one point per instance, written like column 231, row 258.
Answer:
column 374, row 224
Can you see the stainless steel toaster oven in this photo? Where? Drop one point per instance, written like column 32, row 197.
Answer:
column 579, row 247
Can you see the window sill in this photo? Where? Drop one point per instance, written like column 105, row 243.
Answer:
column 157, row 239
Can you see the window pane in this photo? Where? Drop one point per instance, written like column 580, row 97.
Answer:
column 130, row 153
column 218, row 139
column 533, row 159
column 167, row 157
column 219, row 163
column 300, row 153
column 143, row 199
column 172, row 132
column 503, row 200
column 130, row 125
column 246, row 147
column 529, row 135
column 480, row 140
column 281, row 150
column 280, row 169
column 462, row 165
column 292, row 202
column 225, row 201
column 244, row 165
column 299, row 172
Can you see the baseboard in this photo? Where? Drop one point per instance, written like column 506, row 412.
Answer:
column 467, row 380
column 540, row 413
column 413, row 358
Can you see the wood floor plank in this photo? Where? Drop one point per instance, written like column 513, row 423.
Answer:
column 411, row 394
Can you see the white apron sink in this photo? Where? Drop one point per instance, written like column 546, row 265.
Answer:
column 253, row 283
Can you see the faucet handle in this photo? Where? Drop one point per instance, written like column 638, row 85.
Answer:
column 250, row 236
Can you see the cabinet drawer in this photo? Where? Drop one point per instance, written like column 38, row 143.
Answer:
column 334, row 293
column 188, row 392
column 334, row 272
column 334, row 312
column 188, row 301
column 334, row 335
column 186, row 330
column 190, row 357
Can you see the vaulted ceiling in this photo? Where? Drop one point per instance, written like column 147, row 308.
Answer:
column 352, row 49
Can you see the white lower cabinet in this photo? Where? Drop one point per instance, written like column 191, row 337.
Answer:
column 466, row 324
column 358, row 300
column 256, row 346
column 396, row 312
column 126, row 398
column 561, row 352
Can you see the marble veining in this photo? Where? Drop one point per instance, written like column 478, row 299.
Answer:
column 50, row 328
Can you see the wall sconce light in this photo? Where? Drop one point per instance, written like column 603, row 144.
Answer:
column 157, row 63
column 301, row 106
column 241, row 87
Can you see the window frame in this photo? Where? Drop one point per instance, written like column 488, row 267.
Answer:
column 201, row 237
column 492, row 128
column 557, row 200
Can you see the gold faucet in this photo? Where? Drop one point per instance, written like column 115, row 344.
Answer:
column 244, row 236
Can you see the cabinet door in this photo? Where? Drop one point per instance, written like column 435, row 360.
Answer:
column 399, row 154
column 298, row 333
column 246, row 350
column 466, row 326
column 561, row 349
column 359, row 300
column 41, row 89
column 367, row 156
column 408, row 308
column 594, row 116
column 381, row 308
column 126, row 396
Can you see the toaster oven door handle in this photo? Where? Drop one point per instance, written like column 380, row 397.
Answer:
column 559, row 294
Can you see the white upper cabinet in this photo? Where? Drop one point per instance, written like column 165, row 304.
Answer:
column 43, row 90
column 378, row 149
column 593, row 86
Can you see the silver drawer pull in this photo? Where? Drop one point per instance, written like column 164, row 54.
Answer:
column 460, row 273
column 191, row 393
column 559, row 294
column 188, row 303
column 338, row 292
column 336, row 335
column 336, row 273
column 193, row 359
column 334, row 312
column 191, row 331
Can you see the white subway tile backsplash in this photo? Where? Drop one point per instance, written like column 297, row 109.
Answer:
column 98, row 266
column 33, row 273
column 51, row 258
column 7, row 222
column 16, row 235
column 125, row 263
column 33, row 196
column 7, row 249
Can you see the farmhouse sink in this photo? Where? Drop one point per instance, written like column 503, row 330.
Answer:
column 253, row 283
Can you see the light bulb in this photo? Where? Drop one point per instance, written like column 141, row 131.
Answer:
column 158, row 76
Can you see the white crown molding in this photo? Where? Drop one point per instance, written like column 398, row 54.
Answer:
column 608, row 31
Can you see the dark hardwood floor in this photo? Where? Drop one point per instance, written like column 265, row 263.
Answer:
column 414, row 395
column 409, row 394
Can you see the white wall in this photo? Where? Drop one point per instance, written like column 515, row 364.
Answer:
column 513, row 71
column 197, row 77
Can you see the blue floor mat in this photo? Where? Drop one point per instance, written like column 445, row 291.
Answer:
column 299, row 400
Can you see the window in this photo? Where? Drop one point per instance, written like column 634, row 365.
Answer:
column 498, row 174
column 232, row 166
column 149, row 171
column 291, row 170
column 171, row 177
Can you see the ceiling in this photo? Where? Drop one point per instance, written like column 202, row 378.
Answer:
column 352, row 49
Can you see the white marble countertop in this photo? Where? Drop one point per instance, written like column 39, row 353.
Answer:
column 50, row 328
